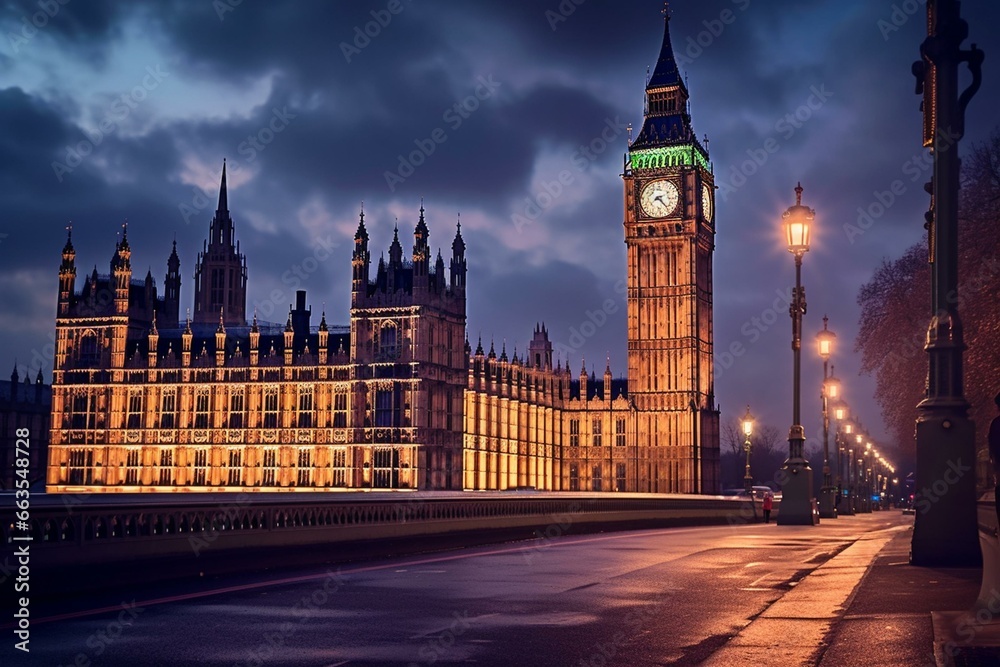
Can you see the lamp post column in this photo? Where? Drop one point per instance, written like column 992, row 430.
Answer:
column 946, row 534
column 796, row 476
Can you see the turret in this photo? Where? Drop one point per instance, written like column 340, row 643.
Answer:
column 324, row 340
column 254, row 341
column 421, row 254
column 289, row 339
column 583, row 380
column 14, row 377
column 153, row 343
column 607, row 381
column 172, row 290
column 458, row 264
column 220, row 341
column 67, row 274
column 187, row 339
column 121, row 272
column 361, row 263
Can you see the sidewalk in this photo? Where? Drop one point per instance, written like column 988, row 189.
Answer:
column 868, row 607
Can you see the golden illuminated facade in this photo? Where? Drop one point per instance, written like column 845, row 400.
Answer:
column 146, row 401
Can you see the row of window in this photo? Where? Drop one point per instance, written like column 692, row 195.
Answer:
column 385, row 468
column 596, row 432
column 84, row 411
column 596, row 477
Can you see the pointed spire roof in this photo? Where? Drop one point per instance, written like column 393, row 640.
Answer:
column 288, row 323
column 493, row 352
column 223, row 194
column 666, row 72
column 479, row 347
column 68, row 249
column 173, row 262
column 38, row 378
column 458, row 245
column 322, row 321
column 254, row 328
column 503, row 353
column 222, row 322
column 14, row 377
column 362, row 233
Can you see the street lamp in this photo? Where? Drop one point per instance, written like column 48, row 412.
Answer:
column 844, row 428
column 747, row 432
column 796, row 484
column 831, row 391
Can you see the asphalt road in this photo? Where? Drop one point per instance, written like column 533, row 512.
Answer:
column 657, row 597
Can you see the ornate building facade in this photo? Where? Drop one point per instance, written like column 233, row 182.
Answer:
column 146, row 401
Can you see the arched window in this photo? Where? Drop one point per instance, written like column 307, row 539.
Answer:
column 90, row 355
column 388, row 342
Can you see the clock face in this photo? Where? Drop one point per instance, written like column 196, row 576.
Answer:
column 706, row 202
column 659, row 198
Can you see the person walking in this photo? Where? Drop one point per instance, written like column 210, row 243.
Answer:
column 768, row 503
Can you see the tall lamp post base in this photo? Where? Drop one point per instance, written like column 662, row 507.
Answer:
column 945, row 533
column 797, row 507
column 828, row 502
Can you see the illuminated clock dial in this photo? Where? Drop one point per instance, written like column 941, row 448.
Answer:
column 706, row 202
column 659, row 198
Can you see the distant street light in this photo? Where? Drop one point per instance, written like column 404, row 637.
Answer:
column 796, row 484
column 831, row 391
column 747, row 432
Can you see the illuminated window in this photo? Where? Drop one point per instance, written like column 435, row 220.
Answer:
column 201, row 408
column 385, row 468
column 574, row 432
column 132, row 467
column 304, row 468
column 200, row 467
column 340, row 410
column 236, row 407
column 166, row 467
column 305, row 417
column 133, row 418
column 574, row 477
column 596, row 427
column 339, row 467
column 235, row 467
column 270, row 407
column 620, row 432
column 270, row 467
column 84, row 410
column 81, row 462
column 168, row 408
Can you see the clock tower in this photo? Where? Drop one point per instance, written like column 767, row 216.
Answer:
column 670, row 235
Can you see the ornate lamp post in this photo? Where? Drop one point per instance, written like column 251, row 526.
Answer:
column 747, row 424
column 796, row 475
column 946, row 534
column 843, row 476
column 831, row 391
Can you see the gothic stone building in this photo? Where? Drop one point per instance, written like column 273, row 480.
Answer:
column 146, row 401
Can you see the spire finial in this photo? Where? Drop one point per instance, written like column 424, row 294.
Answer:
column 798, row 194
column 223, row 193
column 362, row 211
column 825, row 320
column 666, row 10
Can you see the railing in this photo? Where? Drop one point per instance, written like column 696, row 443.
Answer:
column 89, row 529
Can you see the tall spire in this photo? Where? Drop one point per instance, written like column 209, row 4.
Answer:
column 666, row 72
column 223, row 194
